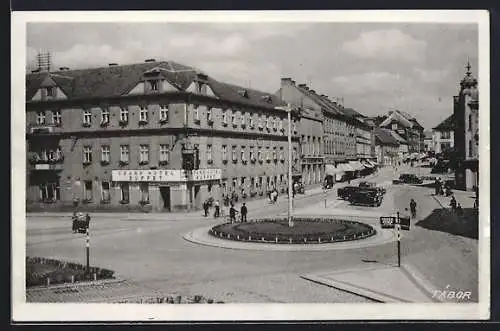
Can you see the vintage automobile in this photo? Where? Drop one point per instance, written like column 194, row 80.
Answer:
column 80, row 223
column 408, row 179
column 300, row 188
column 368, row 196
column 345, row 192
column 372, row 185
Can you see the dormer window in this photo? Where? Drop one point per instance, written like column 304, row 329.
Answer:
column 243, row 93
column 50, row 91
column 40, row 118
column 267, row 98
column 196, row 114
column 201, row 88
column 154, row 86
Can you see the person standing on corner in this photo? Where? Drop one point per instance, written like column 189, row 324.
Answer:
column 232, row 214
column 205, row 208
column 244, row 212
column 217, row 209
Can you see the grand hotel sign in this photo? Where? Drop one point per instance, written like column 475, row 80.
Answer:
column 165, row 175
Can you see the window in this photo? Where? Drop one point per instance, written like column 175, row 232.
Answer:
column 268, row 157
column 87, row 154
column 124, row 192
column 259, row 154
column 275, row 124
column 143, row 114
column 243, row 120
column 164, row 153
column 209, row 154
column 275, row 155
column 105, row 196
column 105, row 154
column 196, row 113
column 252, row 155
column 104, row 116
column 470, row 122
column 280, row 125
column 56, row 117
column 52, row 155
column 281, row 179
column 154, row 85
column 242, row 153
column 262, row 121
column 163, row 113
column 87, row 117
column 294, row 127
column 43, row 154
column 124, row 115
column 224, row 153
column 269, row 123
column 144, row 192
column 234, row 156
column 143, row 154
column 51, row 91
column 446, row 135
column 470, row 148
column 124, row 153
column 224, row 117
column 282, row 154
column 209, row 116
column 235, row 119
column 59, row 154
column 40, row 118
column 251, row 123
column 87, row 190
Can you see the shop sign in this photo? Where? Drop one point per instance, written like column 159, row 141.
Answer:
column 174, row 175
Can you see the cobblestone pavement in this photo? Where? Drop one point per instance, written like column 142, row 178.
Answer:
column 150, row 253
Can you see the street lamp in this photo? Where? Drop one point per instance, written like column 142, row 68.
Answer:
column 288, row 109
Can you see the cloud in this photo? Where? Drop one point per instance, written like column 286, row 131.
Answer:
column 432, row 76
column 379, row 82
column 386, row 45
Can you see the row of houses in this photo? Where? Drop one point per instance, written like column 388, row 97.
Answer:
column 165, row 135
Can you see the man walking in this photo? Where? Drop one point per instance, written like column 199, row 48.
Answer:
column 205, row 208
column 453, row 203
column 413, row 208
column 232, row 214
column 217, row 209
column 244, row 212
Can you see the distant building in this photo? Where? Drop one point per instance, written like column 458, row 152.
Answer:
column 428, row 141
column 403, row 151
column 386, row 147
column 157, row 134
column 443, row 135
column 466, row 134
column 406, row 126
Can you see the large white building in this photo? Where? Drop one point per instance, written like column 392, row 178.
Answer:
column 443, row 135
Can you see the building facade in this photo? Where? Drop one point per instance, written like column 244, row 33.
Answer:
column 156, row 135
column 386, row 148
column 466, row 133
column 443, row 135
column 406, row 126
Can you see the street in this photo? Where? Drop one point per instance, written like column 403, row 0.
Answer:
column 149, row 252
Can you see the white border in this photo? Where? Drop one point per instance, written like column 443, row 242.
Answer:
column 22, row 311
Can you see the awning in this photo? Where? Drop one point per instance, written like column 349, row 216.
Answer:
column 331, row 170
column 367, row 164
column 372, row 163
column 345, row 167
column 356, row 165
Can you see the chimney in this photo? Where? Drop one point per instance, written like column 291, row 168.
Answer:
column 113, row 64
column 150, row 60
column 63, row 68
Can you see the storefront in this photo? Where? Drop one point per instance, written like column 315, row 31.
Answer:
column 166, row 190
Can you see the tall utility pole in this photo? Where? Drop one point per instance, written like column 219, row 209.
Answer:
column 288, row 109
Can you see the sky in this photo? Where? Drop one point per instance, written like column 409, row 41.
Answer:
column 375, row 67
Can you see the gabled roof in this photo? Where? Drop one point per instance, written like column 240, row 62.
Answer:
column 384, row 137
column 399, row 117
column 117, row 80
column 400, row 139
column 351, row 112
column 447, row 125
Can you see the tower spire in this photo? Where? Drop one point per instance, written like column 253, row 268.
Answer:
column 468, row 73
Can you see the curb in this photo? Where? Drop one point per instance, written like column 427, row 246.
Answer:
column 418, row 280
column 75, row 284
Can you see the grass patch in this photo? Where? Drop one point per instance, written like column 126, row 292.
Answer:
column 305, row 230
column 39, row 269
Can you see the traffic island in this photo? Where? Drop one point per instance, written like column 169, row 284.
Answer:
column 305, row 231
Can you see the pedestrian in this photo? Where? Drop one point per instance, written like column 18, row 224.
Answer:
column 459, row 210
column 243, row 212
column 74, row 219
column 232, row 214
column 413, row 208
column 217, row 209
column 205, row 208
column 453, row 203
column 436, row 186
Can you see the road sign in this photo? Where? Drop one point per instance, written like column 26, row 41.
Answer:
column 405, row 223
column 387, row 222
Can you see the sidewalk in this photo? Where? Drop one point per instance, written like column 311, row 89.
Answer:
column 464, row 198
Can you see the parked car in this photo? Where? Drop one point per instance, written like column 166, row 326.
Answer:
column 372, row 185
column 301, row 189
column 408, row 179
column 345, row 192
column 369, row 196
